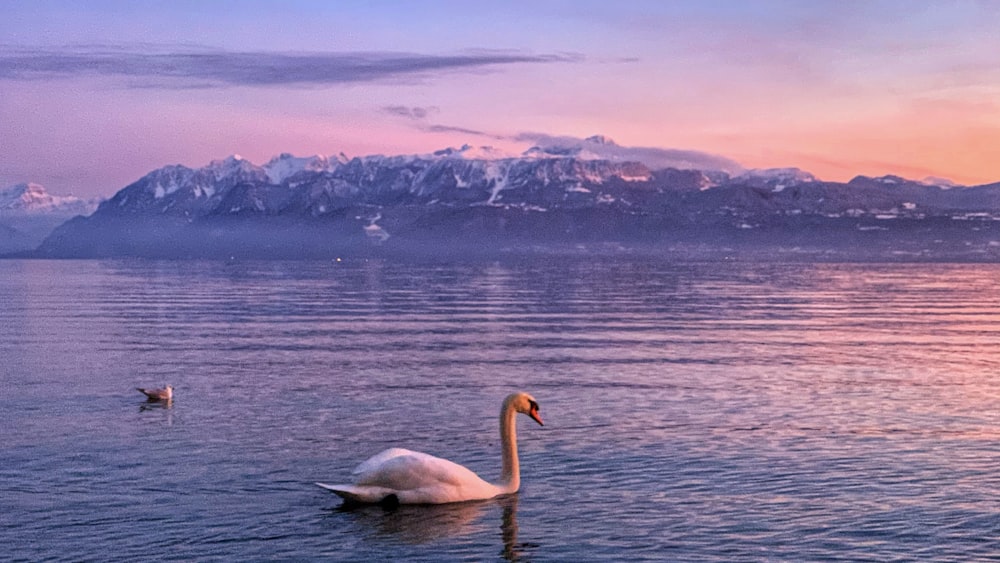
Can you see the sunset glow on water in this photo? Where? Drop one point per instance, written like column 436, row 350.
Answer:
column 694, row 411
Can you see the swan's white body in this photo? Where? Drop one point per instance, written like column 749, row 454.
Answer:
column 415, row 478
column 409, row 477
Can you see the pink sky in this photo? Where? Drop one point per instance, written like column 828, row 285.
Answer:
column 95, row 95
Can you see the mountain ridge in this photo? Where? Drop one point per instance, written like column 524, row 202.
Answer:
column 483, row 201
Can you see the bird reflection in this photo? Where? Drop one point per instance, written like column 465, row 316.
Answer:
column 512, row 551
column 418, row 524
column 421, row 524
column 150, row 405
column 167, row 405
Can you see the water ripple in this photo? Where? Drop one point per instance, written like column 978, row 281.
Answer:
column 694, row 411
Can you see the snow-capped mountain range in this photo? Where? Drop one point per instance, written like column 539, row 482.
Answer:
column 317, row 185
column 483, row 198
column 540, row 179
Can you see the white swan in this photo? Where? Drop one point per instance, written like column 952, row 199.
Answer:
column 407, row 477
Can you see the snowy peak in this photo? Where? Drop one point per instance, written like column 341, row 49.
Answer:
column 168, row 180
column 285, row 166
column 231, row 162
column 31, row 198
column 777, row 179
column 469, row 152
column 890, row 179
column 782, row 174
column 23, row 195
column 232, row 165
column 939, row 182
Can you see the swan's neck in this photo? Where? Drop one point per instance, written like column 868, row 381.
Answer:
column 510, row 474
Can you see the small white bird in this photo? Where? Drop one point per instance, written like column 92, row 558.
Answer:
column 398, row 476
column 165, row 394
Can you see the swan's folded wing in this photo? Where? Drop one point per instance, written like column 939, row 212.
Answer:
column 358, row 494
column 374, row 462
column 414, row 470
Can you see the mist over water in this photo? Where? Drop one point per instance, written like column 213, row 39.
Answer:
column 694, row 411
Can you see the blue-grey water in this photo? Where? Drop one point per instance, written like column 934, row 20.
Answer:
column 694, row 411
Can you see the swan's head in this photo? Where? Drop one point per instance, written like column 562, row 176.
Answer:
column 525, row 404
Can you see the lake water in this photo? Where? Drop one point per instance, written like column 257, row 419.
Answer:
column 694, row 411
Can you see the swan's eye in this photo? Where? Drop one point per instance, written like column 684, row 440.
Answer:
column 533, row 405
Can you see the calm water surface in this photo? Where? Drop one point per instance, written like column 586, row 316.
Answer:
column 694, row 412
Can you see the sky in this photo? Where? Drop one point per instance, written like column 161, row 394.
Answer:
column 94, row 95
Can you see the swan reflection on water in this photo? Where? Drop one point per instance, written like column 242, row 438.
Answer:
column 422, row 524
column 512, row 549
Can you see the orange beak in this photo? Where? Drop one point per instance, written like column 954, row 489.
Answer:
column 533, row 413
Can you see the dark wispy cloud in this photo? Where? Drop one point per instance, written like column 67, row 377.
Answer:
column 597, row 146
column 185, row 67
column 410, row 112
column 419, row 116
column 436, row 128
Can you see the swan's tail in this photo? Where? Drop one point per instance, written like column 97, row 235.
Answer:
column 359, row 494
